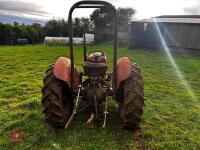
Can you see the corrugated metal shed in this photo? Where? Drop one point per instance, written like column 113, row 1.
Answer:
column 179, row 32
column 173, row 20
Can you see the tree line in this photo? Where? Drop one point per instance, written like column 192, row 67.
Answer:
column 100, row 22
column 9, row 33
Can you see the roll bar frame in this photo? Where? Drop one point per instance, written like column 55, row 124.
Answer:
column 92, row 4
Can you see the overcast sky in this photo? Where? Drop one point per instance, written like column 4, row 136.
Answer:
column 46, row 9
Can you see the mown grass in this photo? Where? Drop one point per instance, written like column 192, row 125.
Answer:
column 171, row 118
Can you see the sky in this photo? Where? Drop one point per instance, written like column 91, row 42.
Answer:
column 47, row 9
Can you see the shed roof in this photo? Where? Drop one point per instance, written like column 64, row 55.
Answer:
column 172, row 20
column 178, row 16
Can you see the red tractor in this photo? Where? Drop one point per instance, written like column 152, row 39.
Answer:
column 65, row 93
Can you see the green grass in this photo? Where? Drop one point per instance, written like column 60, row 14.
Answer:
column 171, row 118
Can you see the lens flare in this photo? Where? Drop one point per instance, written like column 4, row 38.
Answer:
column 173, row 63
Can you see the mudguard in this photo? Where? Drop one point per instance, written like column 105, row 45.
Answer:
column 123, row 70
column 62, row 70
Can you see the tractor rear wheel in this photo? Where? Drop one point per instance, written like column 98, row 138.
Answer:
column 57, row 99
column 131, row 100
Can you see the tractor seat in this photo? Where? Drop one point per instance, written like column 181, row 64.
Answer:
column 97, row 57
column 94, row 69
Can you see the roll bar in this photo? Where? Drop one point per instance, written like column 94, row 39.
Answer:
column 92, row 4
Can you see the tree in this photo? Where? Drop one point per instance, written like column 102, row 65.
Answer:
column 85, row 23
column 9, row 33
column 52, row 28
column 5, row 33
column 103, row 23
column 37, row 31
column 77, row 28
column 63, row 28
column 15, row 23
column 103, row 20
column 56, row 28
column 125, row 15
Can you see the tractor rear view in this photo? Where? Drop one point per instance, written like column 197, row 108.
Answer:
column 65, row 93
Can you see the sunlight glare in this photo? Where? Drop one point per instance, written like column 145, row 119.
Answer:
column 173, row 63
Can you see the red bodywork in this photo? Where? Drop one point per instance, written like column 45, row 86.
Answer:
column 62, row 70
column 123, row 69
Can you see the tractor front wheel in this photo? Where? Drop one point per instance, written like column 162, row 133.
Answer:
column 57, row 99
column 131, row 100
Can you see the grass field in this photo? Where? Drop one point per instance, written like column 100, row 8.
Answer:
column 171, row 118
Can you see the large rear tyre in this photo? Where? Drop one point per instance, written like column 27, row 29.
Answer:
column 131, row 100
column 57, row 99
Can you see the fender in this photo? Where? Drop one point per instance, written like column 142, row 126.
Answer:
column 62, row 70
column 123, row 70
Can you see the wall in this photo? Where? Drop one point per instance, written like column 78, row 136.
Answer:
column 179, row 35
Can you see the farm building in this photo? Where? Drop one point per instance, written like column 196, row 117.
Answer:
column 176, row 31
column 89, row 39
